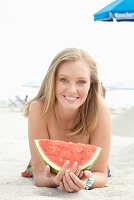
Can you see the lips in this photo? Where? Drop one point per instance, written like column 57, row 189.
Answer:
column 71, row 98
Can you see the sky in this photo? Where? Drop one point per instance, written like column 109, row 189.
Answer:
column 32, row 32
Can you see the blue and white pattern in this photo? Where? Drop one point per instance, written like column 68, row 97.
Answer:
column 89, row 183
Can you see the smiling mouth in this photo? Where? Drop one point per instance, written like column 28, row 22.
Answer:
column 70, row 98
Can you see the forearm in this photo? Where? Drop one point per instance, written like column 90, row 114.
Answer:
column 41, row 181
column 100, row 180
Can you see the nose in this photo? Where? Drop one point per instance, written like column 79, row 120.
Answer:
column 72, row 88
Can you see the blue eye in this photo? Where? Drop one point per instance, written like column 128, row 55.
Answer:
column 81, row 82
column 63, row 80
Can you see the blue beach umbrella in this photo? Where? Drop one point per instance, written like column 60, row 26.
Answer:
column 120, row 10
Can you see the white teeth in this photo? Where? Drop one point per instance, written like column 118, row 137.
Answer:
column 71, row 98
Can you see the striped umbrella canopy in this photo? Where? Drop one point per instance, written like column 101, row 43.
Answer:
column 120, row 10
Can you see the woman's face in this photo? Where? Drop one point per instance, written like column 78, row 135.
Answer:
column 72, row 84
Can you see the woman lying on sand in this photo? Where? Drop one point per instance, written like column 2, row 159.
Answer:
column 69, row 107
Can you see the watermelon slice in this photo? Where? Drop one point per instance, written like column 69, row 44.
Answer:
column 54, row 153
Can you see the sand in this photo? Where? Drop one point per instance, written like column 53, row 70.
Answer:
column 14, row 157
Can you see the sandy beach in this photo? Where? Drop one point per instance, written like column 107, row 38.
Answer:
column 14, row 157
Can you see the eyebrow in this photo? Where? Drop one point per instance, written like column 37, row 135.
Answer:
column 78, row 78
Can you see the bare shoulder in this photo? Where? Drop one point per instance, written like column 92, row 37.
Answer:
column 104, row 114
column 36, row 120
column 35, row 109
column 103, row 127
column 35, row 105
column 102, row 136
column 104, row 108
column 37, row 129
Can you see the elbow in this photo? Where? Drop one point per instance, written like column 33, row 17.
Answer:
column 40, row 184
column 39, row 179
column 103, row 184
column 100, row 180
column 37, row 183
column 104, row 180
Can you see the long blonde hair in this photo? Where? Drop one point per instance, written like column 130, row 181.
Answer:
column 88, row 114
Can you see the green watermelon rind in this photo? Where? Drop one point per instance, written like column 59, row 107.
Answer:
column 55, row 169
column 93, row 160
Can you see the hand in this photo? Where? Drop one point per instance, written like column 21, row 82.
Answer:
column 55, row 179
column 75, row 180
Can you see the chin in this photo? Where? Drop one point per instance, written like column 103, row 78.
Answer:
column 71, row 108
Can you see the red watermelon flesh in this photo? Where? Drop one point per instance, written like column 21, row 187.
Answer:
column 55, row 153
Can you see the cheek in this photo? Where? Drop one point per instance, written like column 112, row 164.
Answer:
column 84, row 92
column 59, row 89
column 56, row 89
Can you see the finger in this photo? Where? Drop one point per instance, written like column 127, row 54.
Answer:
column 66, row 186
column 71, row 183
column 81, row 174
column 62, row 186
column 80, row 184
column 77, row 173
column 86, row 174
column 47, row 171
column 74, row 167
column 61, row 173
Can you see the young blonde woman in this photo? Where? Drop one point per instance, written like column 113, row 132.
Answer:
column 69, row 107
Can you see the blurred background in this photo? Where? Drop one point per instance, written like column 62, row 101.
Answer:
column 32, row 32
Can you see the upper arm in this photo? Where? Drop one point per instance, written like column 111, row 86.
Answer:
column 37, row 129
column 101, row 137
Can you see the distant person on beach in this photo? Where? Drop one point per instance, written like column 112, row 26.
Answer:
column 26, row 99
column 69, row 107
